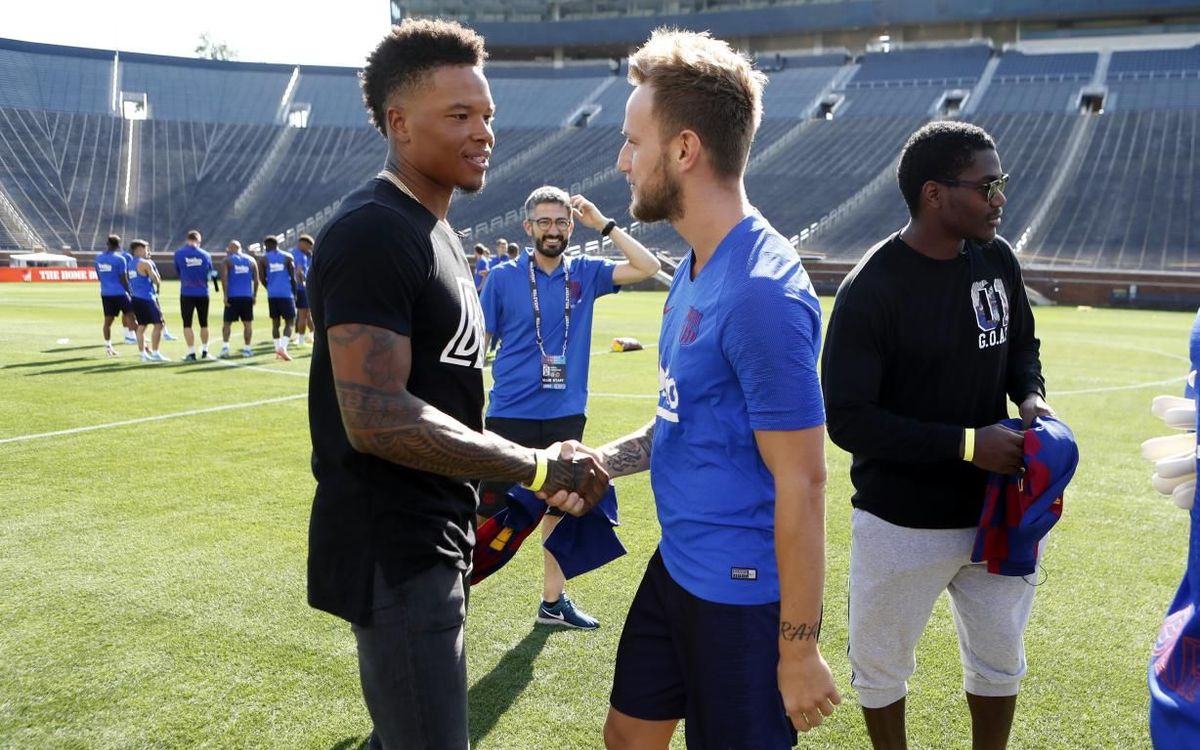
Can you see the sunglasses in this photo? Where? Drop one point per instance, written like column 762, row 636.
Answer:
column 545, row 223
column 987, row 189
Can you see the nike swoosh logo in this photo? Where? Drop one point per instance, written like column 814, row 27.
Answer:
column 668, row 309
column 558, row 616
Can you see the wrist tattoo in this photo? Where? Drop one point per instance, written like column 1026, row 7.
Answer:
column 800, row 631
column 632, row 455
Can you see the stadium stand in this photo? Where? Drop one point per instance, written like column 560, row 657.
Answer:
column 75, row 169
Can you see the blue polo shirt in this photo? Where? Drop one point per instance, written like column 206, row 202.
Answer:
column 517, row 392
column 737, row 353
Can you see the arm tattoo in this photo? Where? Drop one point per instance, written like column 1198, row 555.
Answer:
column 799, row 632
column 631, row 454
column 383, row 419
column 399, row 427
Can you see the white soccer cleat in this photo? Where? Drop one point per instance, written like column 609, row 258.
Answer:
column 247, row 351
column 159, row 357
column 146, row 356
column 223, row 353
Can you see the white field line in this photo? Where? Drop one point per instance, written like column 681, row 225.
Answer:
column 156, row 418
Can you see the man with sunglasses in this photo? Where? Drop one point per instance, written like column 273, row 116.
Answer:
column 930, row 335
column 540, row 306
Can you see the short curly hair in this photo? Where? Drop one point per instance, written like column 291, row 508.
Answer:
column 938, row 151
column 408, row 53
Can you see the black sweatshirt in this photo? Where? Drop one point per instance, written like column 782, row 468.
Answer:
column 918, row 349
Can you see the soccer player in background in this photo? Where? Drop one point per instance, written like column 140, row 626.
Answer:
column 539, row 393
column 481, row 265
column 144, row 286
column 302, row 257
column 112, row 269
column 128, row 320
column 396, row 394
column 280, row 280
column 723, row 631
column 194, row 265
column 930, row 334
column 239, row 277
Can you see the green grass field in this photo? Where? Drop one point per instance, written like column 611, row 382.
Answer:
column 152, row 573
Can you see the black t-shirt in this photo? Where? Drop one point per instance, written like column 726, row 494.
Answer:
column 917, row 349
column 385, row 261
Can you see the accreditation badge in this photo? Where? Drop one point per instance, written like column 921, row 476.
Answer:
column 554, row 372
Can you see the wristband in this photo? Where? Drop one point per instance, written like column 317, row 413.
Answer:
column 968, row 444
column 539, row 474
column 607, row 230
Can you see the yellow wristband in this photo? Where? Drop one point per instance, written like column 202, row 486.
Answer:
column 968, row 445
column 539, row 474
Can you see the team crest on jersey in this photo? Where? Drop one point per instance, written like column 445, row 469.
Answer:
column 691, row 326
column 990, row 300
column 465, row 347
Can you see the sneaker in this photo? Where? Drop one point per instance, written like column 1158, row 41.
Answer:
column 189, row 357
column 145, row 356
column 130, row 339
column 168, row 336
column 204, row 354
column 223, row 353
column 247, row 351
column 159, row 357
column 110, row 351
column 282, row 354
column 565, row 614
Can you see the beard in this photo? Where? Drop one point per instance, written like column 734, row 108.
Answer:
column 660, row 200
column 540, row 246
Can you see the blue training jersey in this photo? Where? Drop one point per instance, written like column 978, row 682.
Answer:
column 141, row 286
column 303, row 262
column 737, row 353
column 240, row 280
column 194, row 266
column 111, row 267
column 279, row 278
column 130, row 265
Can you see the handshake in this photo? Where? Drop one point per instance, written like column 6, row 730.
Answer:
column 576, row 478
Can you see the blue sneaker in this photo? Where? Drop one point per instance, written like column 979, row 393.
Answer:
column 168, row 337
column 565, row 614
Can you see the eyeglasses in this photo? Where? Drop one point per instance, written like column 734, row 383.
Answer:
column 987, row 189
column 546, row 223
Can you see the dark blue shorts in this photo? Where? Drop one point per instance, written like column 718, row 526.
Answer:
column 239, row 308
column 282, row 307
column 115, row 304
column 146, row 311
column 712, row 665
column 301, row 298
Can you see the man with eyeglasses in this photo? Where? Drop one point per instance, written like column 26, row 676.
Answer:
column 541, row 307
column 930, row 334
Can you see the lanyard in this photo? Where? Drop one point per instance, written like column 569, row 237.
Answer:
column 537, row 307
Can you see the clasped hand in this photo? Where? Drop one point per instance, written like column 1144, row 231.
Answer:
column 575, row 479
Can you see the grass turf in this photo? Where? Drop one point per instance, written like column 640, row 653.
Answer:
column 153, row 573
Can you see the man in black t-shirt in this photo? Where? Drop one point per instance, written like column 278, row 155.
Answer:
column 396, row 394
column 929, row 334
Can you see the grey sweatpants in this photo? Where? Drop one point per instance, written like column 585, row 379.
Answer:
column 896, row 576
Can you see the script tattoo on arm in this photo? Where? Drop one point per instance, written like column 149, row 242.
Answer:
column 630, row 454
column 383, row 419
column 800, row 631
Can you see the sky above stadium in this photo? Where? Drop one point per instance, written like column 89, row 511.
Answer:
column 280, row 31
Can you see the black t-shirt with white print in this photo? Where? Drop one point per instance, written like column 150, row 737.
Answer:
column 385, row 261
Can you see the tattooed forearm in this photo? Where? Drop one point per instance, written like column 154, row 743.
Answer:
column 630, row 454
column 399, row 427
column 799, row 631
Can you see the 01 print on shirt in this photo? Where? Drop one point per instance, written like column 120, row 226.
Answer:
column 990, row 300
